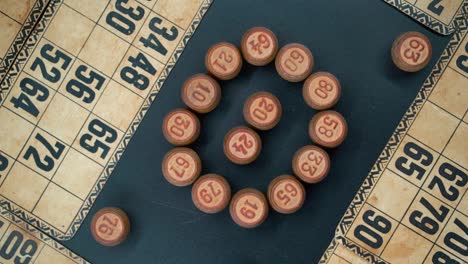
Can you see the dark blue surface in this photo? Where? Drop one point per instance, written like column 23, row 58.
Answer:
column 351, row 39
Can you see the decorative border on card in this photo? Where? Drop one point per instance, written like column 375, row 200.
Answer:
column 41, row 236
column 15, row 70
column 425, row 19
column 461, row 23
column 33, row 17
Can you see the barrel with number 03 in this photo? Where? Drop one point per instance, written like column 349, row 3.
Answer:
column 211, row 193
column 249, row 208
column 110, row 226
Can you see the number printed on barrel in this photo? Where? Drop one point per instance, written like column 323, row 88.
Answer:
column 210, row 193
column 259, row 46
column 414, row 50
column 76, row 97
column 259, row 42
column 223, row 60
column 243, row 145
column 294, row 60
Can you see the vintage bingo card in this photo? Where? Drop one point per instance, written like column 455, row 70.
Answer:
column 77, row 99
column 413, row 206
column 17, row 21
column 439, row 15
column 22, row 243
